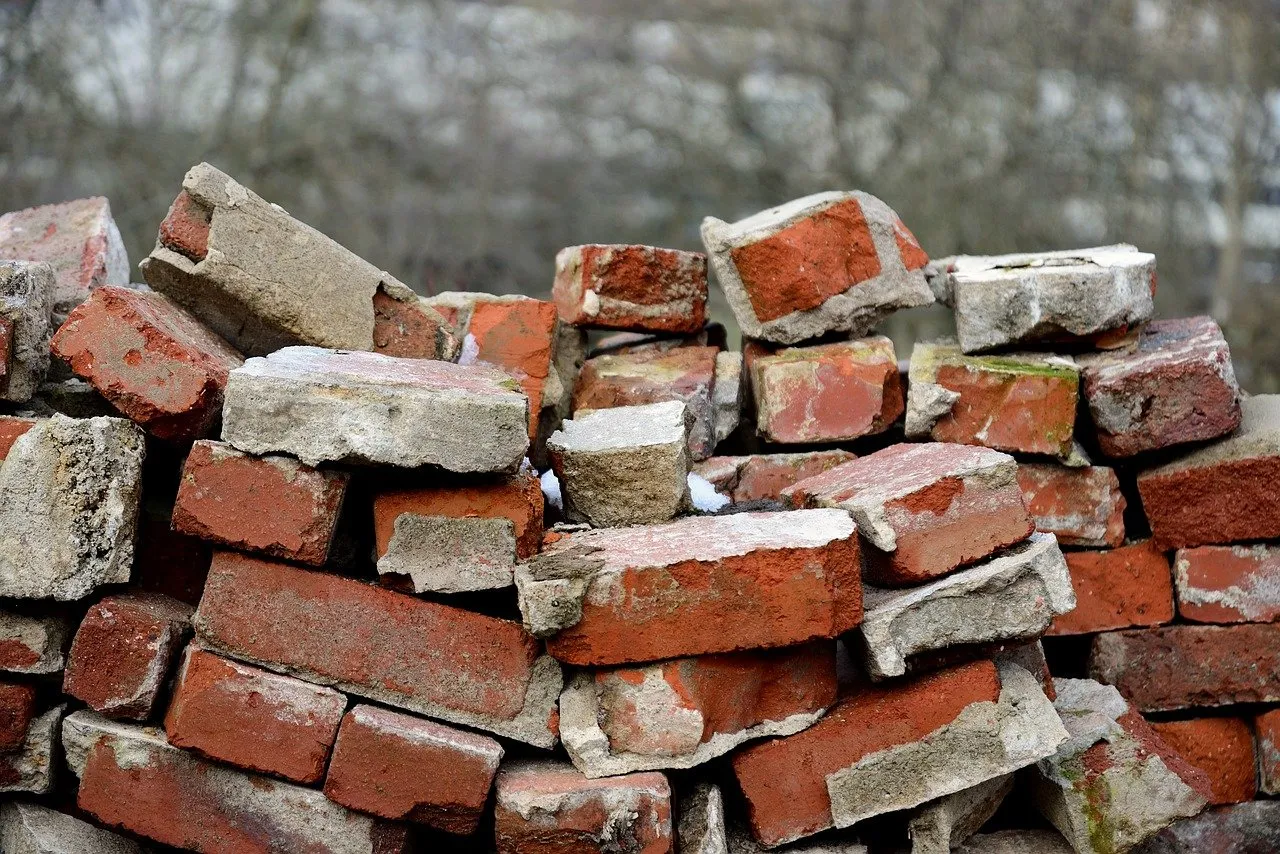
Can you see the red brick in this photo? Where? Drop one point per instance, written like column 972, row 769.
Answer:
column 409, row 328
column 1178, row 667
column 185, row 228
column 1116, row 589
column 120, row 658
column 155, row 362
column 401, row 767
column 423, row 656
column 32, row 644
column 827, row 392
column 11, row 427
column 252, row 718
column 763, row 476
column 1081, row 506
column 1220, row 747
column 1223, row 493
column 271, row 505
column 17, row 708
column 517, row 335
column 1228, row 584
column 1172, row 385
column 545, row 808
column 631, row 287
column 785, row 780
column 1267, row 727
column 926, row 509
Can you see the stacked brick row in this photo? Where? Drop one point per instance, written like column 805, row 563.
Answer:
column 292, row 559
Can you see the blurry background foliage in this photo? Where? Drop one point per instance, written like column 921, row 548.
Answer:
column 460, row 144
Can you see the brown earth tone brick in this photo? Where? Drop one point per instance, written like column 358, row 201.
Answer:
column 400, row 767
column 32, row 644
column 1117, row 589
column 17, row 708
column 1228, row 584
column 1267, row 728
column 631, row 287
column 763, row 476
column 252, row 718
column 270, row 505
column 11, row 427
column 1220, row 747
column 1081, row 506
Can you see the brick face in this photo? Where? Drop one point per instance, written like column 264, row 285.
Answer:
column 1117, row 589
column 1220, row 747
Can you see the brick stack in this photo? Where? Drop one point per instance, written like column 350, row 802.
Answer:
column 301, row 561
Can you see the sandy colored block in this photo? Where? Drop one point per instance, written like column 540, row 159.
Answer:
column 728, row 393
column 26, row 307
column 1220, row 747
column 32, row 644
column 33, row 829
column 632, row 287
column 30, row 768
column 1081, row 506
column 1228, row 584
column 760, row 477
column 1117, row 589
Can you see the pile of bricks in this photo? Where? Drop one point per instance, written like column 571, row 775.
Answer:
column 472, row 572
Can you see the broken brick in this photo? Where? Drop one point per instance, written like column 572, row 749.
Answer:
column 1248, row 828
column 1220, row 747
column 1267, row 727
column 1228, row 584
column 32, row 644
column 631, row 287
column 1117, row 589
column 760, row 477
column 11, row 427
column 30, row 768
column 17, row 708
column 1081, row 506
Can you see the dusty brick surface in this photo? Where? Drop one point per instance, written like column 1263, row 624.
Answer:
column 1117, row 589
column 623, row 595
column 401, row 767
column 270, row 505
column 122, row 653
column 17, row 708
column 827, row 392
column 155, row 362
column 1220, row 747
column 1228, row 584
column 1178, row 667
column 1173, row 385
column 32, row 644
column 631, row 287
column 1081, row 506
column 252, row 718
column 759, row 477
column 426, row 657
column 924, row 509
column 1266, row 726
column 30, row 768
column 545, row 806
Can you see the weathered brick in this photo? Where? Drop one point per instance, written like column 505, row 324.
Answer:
column 1249, row 828
column 32, row 644
column 26, row 305
column 1228, row 584
column 11, row 428
column 33, row 829
column 78, row 239
column 1117, row 589
column 1220, row 747
column 337, row 406
column 545, row 806
column 1174, row 384
column 1081, row 506
column 252, row 718
column 401, row 767
column 155, row 362
column 695, row 586
column 457, row 537
column 827, row 392
column 758, row 477
column 1222, row 493
column 925, row 509
column 270, row 505
column 1178, row 667
column 942, row 825
column 134, row 780
column 896, row 746
column 1267, row 728
column 830, row 262
column 30, row 767
column 1021, row 402
column 631, row 287
column 429, row 658
column 17, row 708
column 122, row 652
column 684, row 712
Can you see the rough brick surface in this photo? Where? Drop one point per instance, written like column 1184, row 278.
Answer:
column 252, row 718
column 545, row 806
column 1249, row 828
column 1020, row 402
column 11, row 427
column 454, row 538
column 683, row 712
column 830, row 262
column 827, row 392
column 631, row 287
column 926, row 509
column 17, row 708
column 134, row 780
column 1081, row 506
column 1220, row 747
column 33, row 829
column 763, row 476
column 32, row 644
column 270, row 505
column 1174, row 384
column 155, row 362
column 896, row 746
column 1179, row 667
column 401, row 767
column 623, row 595
column 941, row 825
column 434, row 659
column 336, row 406
column 122, row 652
column 1222, row 493
column 69, row 491
column 1117, row 589
column 30, row 767
column 78, row 239
column 1228, row 584
column 26, row 305
column 1072, row 295
column 1267, row 728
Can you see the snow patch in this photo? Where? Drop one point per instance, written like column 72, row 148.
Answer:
column 551, row 489
column 703, row 494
